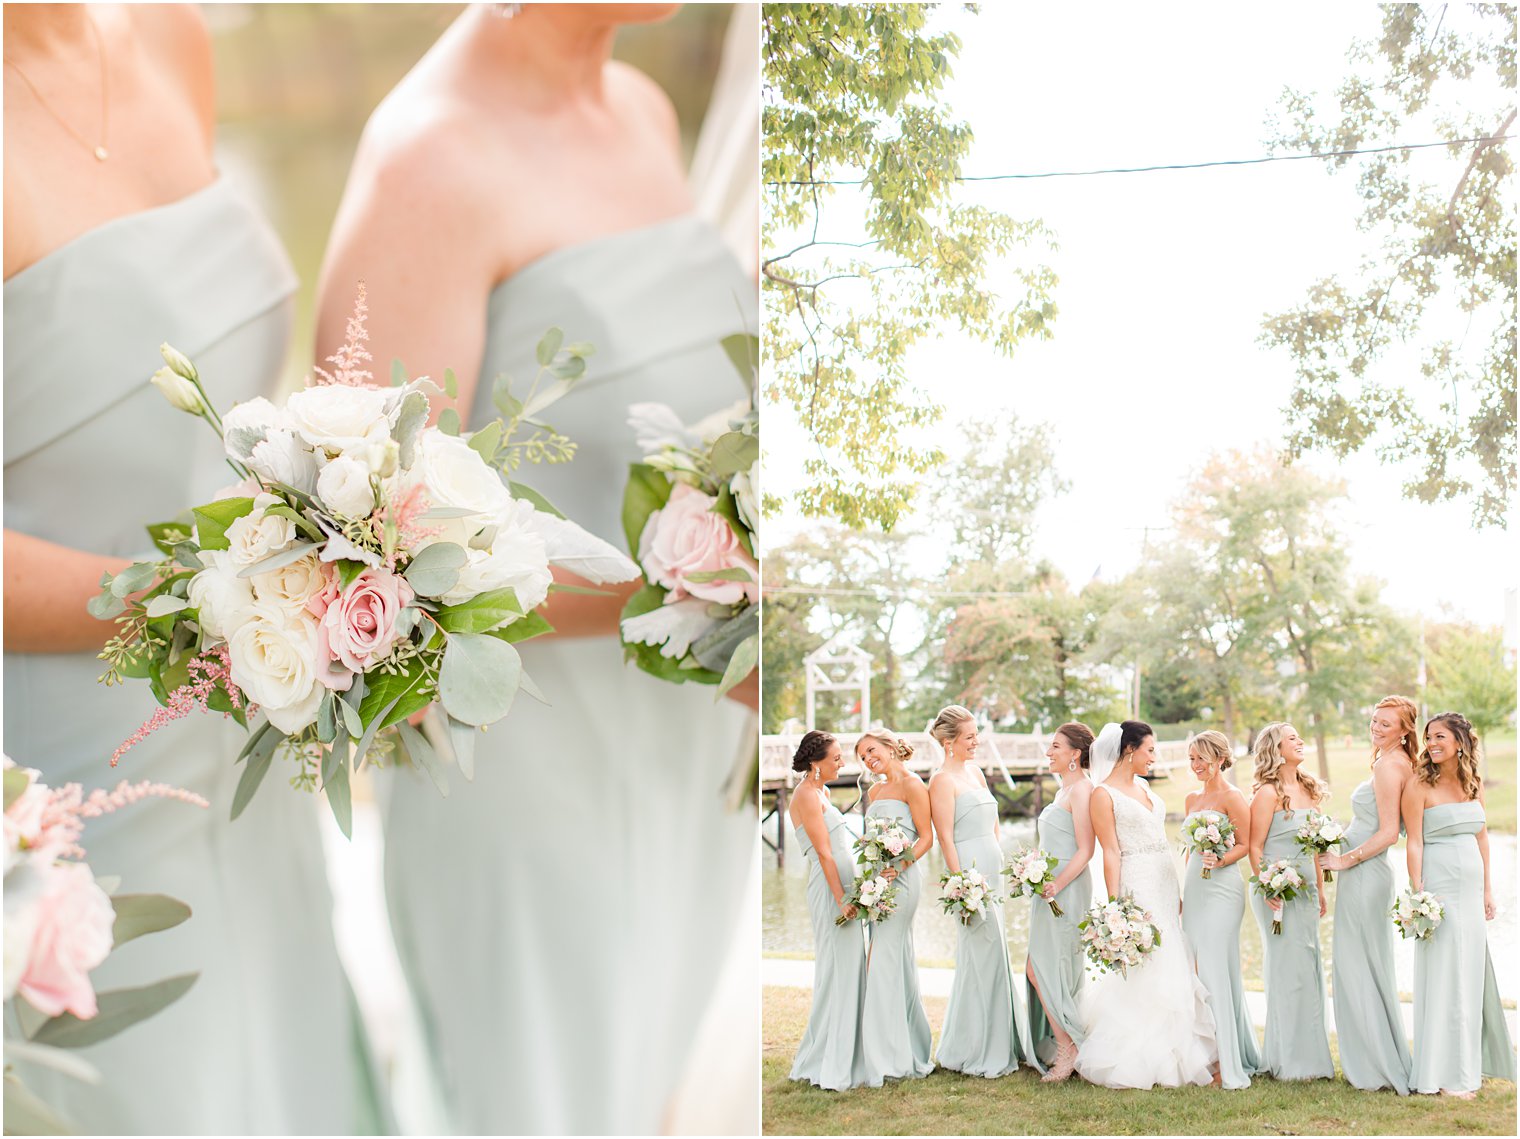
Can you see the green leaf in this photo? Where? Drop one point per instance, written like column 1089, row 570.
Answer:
column 532, row 625
column 501, row 395
column 16, row 782
column 647, row 491
column 648, row 657
column 303, row 524
column 26, row 1114
column 727, row 507
column 549, row 346
column 391, row 698
column 741, row 664
column 137, row 576
column 351, row 719
column 485, row 441
column 481, row 613
column 424, row 756
column 258, row 766
column 253, row 741
column 187, row 554
column 734, row 451
column 275, row 561
column 327, row 718
column 340, row 798
column 410, row 420
column 450, row 384
column 118, row 1009
column 139, row 914
column 167, row 535
column 398, row 373
column 743, row 352
column 734, row 573
column 571, row 587
column 479, row 678
column 164, row 604
column 448, row 421
column 462, row 737
column 714, row 650
column 212, row 520
column 348, row 571
column 528, row 494
column 435, row 569
column 104, row 606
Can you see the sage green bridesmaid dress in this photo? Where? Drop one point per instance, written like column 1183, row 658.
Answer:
column 1055, row 953
column 1212, row 909
column 831, row 1054
column 895, row 1032
column 1369, row 1027
column 547, row 1010
column 1294, row 1045
column 986, row 1032
column 1460, row 1034
column 266, row 1040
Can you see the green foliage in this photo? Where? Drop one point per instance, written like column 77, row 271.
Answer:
column 1468, row 673
column 118, row 1009
column 1442, row 276
column 139, row 914
column 855, row 279
column 212, row 520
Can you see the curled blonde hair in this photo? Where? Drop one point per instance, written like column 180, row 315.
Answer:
column 948, row 723
column 1266, row 754
column 1408, row 723
column 1215, row 746
column 893, row 742
column 1467, row 754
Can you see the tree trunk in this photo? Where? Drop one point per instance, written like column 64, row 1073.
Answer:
column 1318, row 729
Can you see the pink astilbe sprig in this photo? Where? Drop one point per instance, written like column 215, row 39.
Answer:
column 68, row 807
column 405, row 514
column 348, row 361
column 208, row 670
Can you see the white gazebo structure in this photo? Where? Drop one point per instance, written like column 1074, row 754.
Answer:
column 838, row 666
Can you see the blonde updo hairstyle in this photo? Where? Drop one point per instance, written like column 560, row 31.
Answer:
column 1461, row 727
column 900, row 748
column 1266, row 753
column 1408, row 724
column 1214, row 747
column 948, row 724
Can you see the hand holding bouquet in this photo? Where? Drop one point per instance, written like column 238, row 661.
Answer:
column 1029, row 872
column 874, row 898
column 1208, row 832
column 364, row 566
column 689, row 513
column 882, row 844
column 1318, row 834
column 1278, row 882
column 967, row 895
column 1417, row 914
column 1118, row 934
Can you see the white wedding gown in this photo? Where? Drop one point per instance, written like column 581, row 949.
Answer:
column 1155, row 1025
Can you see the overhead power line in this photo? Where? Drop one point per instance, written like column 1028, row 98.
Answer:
column 1169, row 166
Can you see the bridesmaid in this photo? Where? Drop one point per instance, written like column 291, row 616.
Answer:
column 1459, row 1031
column 1054, row 969
column 119, row 234
column 1212, row 908
column 830, row 1053
column 895, row 1031
column 985, row 1033
column 1294, row 1046
column 1369, row 1026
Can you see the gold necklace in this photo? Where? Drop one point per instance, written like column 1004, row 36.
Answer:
column 100, row 151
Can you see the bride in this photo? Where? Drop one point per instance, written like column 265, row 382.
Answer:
column 1155, row 1025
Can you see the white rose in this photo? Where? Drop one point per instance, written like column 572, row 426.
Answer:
column 255, row 535
column 274, row 661
column 745, row 498
column 455, row 476
column 344, row 488
column 220, row 596
column 291, row 586
column 283, row 457
column 335, row 418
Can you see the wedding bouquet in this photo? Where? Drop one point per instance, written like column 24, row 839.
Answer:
column 1208, row 832
column 1278, row 881
column 60, row 923
column 872, row 895
column 365, row 566
column 1029, row 871
column 1318, row 834
column 967, row 895
column 689, row 514
column 1417, row 915
column 1118, row 934
column 882, row 843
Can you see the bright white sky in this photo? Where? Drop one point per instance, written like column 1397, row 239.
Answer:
column 1165, row 277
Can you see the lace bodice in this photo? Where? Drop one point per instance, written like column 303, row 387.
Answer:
column 1146, row 868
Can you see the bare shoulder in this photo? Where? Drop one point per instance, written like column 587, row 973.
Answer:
column 1191, row 798
column 1235, row 797
column 1081, row 792
column 421, row 146
column 916, row 791
column 647, row 100
column 177, row 43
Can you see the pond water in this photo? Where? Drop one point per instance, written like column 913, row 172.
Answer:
column 788, row 931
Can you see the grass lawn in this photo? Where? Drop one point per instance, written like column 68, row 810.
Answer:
column 947, row 1103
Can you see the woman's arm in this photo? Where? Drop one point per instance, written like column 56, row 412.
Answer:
column 923, row 823
column 1388, row 784
column 809, row 812
column 1081, row 821
column 942, row 811
column 1489, row 910
column 1239, row 811
column 1412, row 807
column 46, row 589
column 1101, row 812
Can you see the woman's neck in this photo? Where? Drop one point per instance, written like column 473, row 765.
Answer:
column 1217, row 784
column 553, row 56
column 33, row 30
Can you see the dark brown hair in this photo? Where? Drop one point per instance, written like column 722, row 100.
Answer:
column 1079, row 736
column 814, row 746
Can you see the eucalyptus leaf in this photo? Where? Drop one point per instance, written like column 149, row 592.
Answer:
column 398, row 373
column 118, row 1009
column 554, row 392
column 104, row 606
column 528, row 494
column 327, row 718
column 485, row 441
column 734, row 451
column 187, row 554
column 741, row 664
column 435, row 569
column 139, row 914
column 304, row 524
column 743, row 352
column 501, row 395
column 258, row 766
column 164, row 604
column 462, row 738
column 530, row 686
column 351, row 718
column 448, row 513
column 715, row 649
column 138, row 575
column 275, row 561
column 570, row 368
column 479, row 678
column 340, row 798
column 450, row 384
column 448, row 421
column 252, row 742
column 424, row 756
column 361, row 749
column 733, row 573
column 548, row 346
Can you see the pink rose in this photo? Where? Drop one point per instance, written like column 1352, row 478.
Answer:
column 359, row 626
column 684, row 538
column 73, row 936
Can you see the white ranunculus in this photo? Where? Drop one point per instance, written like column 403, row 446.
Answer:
column 335, row 418
column 274, row 661
column 220, row 596
column 255, row 536
column 454, row 476
column 291, row 586
column 344, row 487
column 517, row 558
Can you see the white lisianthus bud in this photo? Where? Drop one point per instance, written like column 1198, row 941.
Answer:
column 343, row 486
column 178, row 362
column 383, row 457
column 178, row 391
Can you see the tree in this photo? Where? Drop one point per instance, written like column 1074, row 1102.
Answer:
column 786, row 641
column 1468, row 674
column 1445, row 262
column 989, row 494
column 851, row 98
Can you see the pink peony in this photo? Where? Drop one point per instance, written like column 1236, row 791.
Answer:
column 683, row 538
column 73, row 936
column 358, row 627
